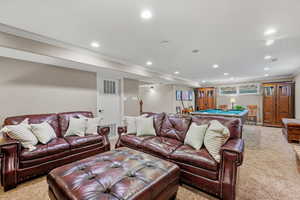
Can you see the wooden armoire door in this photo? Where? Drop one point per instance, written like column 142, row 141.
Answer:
column 202, row 99
column 269, row 103
column 210, row 98
column 205, row 98
column 284, row 103
column 278, row 102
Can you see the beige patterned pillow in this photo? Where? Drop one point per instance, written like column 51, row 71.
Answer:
column 144, row 126
column 215, row 136
column 76, row 127
column 43, row 132
column 22, row 132
column 195, row 135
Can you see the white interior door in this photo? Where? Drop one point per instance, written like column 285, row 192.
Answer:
column 109, row 102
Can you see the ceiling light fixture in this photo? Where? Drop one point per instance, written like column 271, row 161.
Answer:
column 215, row 66
column 270, row 31
column 232, row 78
column 203, row 81
column 266, row 74
column 195, row 51
column 269, row 42
column 95, row 44
column 146, row 14
column 267, row 68
column 149, row 63
column 176, row 72
column 267, row 57
column 226, row 74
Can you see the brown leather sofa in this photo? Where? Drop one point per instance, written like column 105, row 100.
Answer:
column 19, row 164
column 198, row 168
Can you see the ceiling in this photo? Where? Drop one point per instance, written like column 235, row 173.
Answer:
column 229, row 33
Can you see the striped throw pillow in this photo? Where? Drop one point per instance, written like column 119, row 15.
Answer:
column 22, row 132
column 216, row 135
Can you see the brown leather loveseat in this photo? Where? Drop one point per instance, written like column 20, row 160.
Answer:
column 198, row 168
column 19, row 164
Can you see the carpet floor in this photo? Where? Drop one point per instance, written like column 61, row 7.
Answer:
column 269, row 172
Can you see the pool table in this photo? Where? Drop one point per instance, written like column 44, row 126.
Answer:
column 242, row 114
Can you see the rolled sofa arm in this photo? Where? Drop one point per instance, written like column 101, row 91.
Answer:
column 232, row 157
column 235, row 146
column 122, row 129
column 9, row 153
column 104, row 131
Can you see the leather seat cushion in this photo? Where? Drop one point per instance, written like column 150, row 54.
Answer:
column 200, row 158
column 55, row 146
column 133, row 140
column 161, row 146
column 77, row 142
column 42, row 160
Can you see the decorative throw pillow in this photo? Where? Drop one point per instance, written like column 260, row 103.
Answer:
column 92, row 125
column 43, row 132
column 195, row 135
column 130, row 123
column 215, row 136
column 76, row 127
column 145, row 126
column 22, row 132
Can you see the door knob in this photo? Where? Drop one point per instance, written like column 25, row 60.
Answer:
column 100, row 110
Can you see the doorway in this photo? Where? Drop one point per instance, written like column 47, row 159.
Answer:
column 109, row 101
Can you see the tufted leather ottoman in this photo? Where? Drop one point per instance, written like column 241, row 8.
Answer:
column 118, row 174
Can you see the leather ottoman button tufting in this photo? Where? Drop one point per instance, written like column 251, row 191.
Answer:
column 123, row 178
column 131, row 174
column 115, row 165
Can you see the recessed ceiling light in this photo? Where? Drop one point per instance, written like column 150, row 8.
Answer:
column 267, row 68
column 95, row 44
column 270, row 31
column 149, row 63
column 226, row 74
column 146, row 14
column 215, row 66
column 203, row 81
column 269, row 42
column 164, row 42
column 177, row 72
column 232, row 78
column 267, row 57
column 266, row 74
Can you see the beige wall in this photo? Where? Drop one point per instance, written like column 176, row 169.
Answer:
column 297, row 96
column 131, row 92
column 162, row 98
column 27, row 88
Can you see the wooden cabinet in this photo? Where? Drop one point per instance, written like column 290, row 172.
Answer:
column 278, row 102
column 205, row 98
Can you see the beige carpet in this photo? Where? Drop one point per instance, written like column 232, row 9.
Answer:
column 269, row 172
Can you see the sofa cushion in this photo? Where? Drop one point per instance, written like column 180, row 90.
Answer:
column 55, row 146
column 44, row 159
column 133, row 140
column 63, row 119
column 76, row 141
column 175, row 126
column 161, row 146
column 200, row 158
